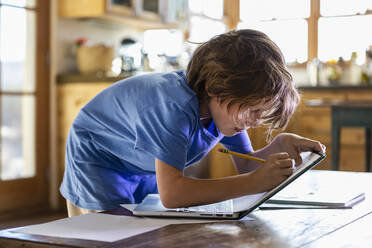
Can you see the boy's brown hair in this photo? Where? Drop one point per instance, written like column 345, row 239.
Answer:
column 244, row 67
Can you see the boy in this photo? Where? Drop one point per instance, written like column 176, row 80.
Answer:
column 137, row 136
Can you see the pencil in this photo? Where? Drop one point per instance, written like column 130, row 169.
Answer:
column 242, row 155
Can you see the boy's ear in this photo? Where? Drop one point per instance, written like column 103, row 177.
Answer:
column 208, row 93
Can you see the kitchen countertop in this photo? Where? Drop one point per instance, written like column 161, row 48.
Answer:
column 93, row 78
column 337, row 87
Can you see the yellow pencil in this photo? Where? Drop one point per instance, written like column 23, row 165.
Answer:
column 242, row 155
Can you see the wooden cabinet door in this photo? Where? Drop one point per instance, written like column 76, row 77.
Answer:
column 81, row 8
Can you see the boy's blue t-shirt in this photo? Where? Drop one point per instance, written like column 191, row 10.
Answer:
column 114, row 140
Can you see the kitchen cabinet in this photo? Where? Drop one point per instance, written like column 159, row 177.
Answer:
column 314, row 123
column 138, row 13
column 121, row 7
column 80, row 8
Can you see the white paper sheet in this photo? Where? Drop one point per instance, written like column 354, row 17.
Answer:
column 103, row 227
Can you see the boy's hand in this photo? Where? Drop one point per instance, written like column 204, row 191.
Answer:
column 294, row 144
column 274, row 171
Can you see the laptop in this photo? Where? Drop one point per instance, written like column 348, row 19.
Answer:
column 235, row 208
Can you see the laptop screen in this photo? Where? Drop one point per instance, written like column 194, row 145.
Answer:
column 310, row 159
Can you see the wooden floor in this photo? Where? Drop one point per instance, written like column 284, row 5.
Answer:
column 30, row 220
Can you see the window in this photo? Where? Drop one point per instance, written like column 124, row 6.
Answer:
column 283, row 21
column 17, row 88
column 305, row 29
column 342, row 7
column 24, row 104
column 294, row 47
column 208, row 8
column 344, row 29
column 258, row 10
column 159, row 56
column 202, row 29
column 206, row 19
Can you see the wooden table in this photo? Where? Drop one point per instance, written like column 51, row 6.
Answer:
column 269, row 228
column 348, row 114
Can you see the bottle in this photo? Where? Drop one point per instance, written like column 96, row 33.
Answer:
column 355, row 70
column 313, row 72
column 333, row 72
column 367, row 68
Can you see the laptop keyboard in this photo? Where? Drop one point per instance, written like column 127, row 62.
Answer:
column 225, row 207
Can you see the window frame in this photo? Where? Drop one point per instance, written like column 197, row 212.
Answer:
column 231, row 19
column 231, row 10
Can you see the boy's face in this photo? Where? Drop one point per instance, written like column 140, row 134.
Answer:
column 233, row 121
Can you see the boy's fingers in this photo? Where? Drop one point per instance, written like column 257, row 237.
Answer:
column 281, row 155
column 319, row 147
column 324, row 148
column 288, row 172
column 285, row 163
column 309, row 145
column 297, row 160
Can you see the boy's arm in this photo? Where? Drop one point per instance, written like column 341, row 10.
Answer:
column 176, row 190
